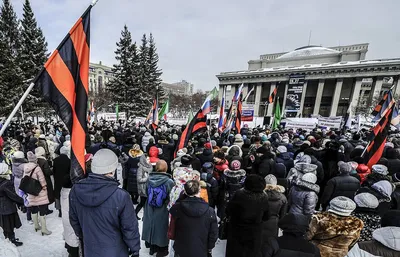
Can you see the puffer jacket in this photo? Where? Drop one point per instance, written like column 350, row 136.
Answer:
column 341, row 185
column 299, row 170
column 264, row 165
column 37, row 174
column 18, row 172
column 277, row 203
column 145, row 141
column 303, row 198
column 385, row 242
column 334, row 234
column 286, row 160
column 144, row 169
column 131, row 168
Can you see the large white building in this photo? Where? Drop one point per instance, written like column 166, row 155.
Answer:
column 314, row 80
column 99, row 75
column 179, row 88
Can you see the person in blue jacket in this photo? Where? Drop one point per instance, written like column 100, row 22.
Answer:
column 102, row 214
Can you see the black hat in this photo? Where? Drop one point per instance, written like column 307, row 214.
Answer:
column 254, row 183
column 295, row 223
column 219, row 154
column 186, row 160
column 262, row 150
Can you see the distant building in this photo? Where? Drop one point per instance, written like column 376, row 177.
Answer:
column 179, row 88
column 99, row 76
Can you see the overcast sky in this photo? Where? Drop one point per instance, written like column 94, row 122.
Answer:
column 198, row 39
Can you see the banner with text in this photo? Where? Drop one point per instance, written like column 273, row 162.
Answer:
column 303, row 123
column 294, row 94
column 330, row 122
column 247, row 112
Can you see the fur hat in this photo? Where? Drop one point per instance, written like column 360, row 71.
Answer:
column 104, row 161
column 254, row 183
column 344, row 167
column 19, row 155
column 270, row 180
column 366, row 200
column 380, row 169
column 282, row 149
column 235, row 165
column 31, row 157
column 136, row 147
column 186, row 160
column 309, row 177
column 342, row 206
column 40, row 152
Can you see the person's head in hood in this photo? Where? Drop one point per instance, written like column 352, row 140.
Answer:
column 254, row 183
column 104, row 162
column 219, row 157
column 31, row 157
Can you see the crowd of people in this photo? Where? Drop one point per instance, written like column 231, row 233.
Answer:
column 269, row 193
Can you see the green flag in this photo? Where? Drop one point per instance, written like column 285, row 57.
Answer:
column 117, row 111
column 213, row 93
column 190, row 117
column 164, row 110
column 277, row 116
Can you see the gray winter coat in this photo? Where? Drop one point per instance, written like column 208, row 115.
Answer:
column 146, row 140
column 18, row 172
column 142, row 175
column 303, row 198
column 155, row 220
column 300, row 169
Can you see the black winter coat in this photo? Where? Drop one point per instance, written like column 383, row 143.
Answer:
column 341, row 185
column 131, row 168
column 247, row 211
column 196, row 228
column 393, row 166
column 373, row 178
column 167, row 150
column 264, row 165
column 212, row 188
column 8, row 197
column 44, row 165
column 61, row 170
column 103, row 215
column 206, row 156
column 277, row 204
column 396, row 197
column 290, row 245
column 286, row 160
column 320, row 169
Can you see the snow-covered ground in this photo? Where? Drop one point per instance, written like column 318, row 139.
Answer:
column 36, row 245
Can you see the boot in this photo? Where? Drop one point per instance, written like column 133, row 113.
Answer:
column 162, row 252
column 36, row 221
column 59, row 214
column 14, row 240
column 44, row 226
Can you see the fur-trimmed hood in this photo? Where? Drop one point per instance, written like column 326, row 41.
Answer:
column 277, row 188
column 307, row 186
column 235, row 150
column 235, row 176
column 135, row 153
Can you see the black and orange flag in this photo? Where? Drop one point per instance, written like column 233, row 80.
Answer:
column 238, row 119
column 273, row 95
column 63, row 82
column 197, row 125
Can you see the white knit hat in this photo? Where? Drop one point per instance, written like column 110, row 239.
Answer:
column 342, row 206
column 380, row 169
column 366, row 200
column 19, row 155
column 40, row 151
column 104, row 161
column 270, row 180
column 282, row 149
column 309, row 177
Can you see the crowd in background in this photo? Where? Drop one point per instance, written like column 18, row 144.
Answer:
column 268, row 193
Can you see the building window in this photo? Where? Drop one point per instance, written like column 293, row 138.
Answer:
column 100, row 82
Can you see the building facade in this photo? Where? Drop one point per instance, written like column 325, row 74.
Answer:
column 314, row 80
column 180, row 88
column 99, row 76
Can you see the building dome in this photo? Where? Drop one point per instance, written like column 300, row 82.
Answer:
column 308, row 51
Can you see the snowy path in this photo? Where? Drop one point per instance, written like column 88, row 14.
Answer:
column 36, row 245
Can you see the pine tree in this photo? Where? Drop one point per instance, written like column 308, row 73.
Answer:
column 33, row 56
column 154, row 73
column 144, row 80
column 122, row 85
column 11, row 79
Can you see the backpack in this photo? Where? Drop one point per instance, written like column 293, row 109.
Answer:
column 157, row 195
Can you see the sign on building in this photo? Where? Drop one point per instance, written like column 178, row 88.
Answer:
column 247, row 112
column 294, row 94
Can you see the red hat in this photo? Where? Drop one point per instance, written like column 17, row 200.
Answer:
column 153, row 154
column 88, row 157
column 362, row 168
column 207, row 145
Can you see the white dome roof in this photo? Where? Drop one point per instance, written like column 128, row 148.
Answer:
column 308, row 51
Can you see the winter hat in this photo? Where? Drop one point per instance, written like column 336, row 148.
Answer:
column 68, row 138
column 40, row 152
column 303, row 158
column 389, row 144
column 104, row 161
column 213, row 143
column 180, row 153
column 362, row 168
column 354, row 165
column 235, row 165
column 344, row 168
column 14, row 143
column 219, row 154
column 342, row 206
column 380, row 169
column 42, row 136
column 307, row 143
column 19, row 155
column 395, row 177
column 264, row 138
column 391, row 219
column 175, row 137
column 384, row 187
column 281, row 149
column 295, row 223
column 31, row 157
column 207, row 145
column 66, row 150
column 208, row 167
column 186, row 160
column 262, row 150
column 136, row 147
column 309, row 177
column 285, row 140
column 254, row 183
column 270, row 180
column 366, row 200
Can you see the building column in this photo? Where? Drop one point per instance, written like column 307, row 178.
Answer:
column 378, row 87
column 356, row 93
column 396, row 82
column 257, row 99
column 303, row 97
column 284, row 99
column 318, row 98
column 271, row 106
column 336, row 97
